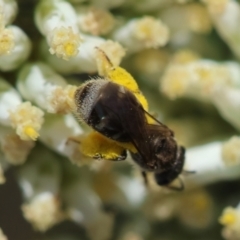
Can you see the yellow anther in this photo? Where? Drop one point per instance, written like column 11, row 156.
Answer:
column 70, row 49
column 229, row 217
column 31, row 133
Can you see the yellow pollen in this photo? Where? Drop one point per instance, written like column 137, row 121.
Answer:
column 228, row 219
column 145, row 29
column 31, row 133
column 177, row 85
column 71, row 91
column 6, row 42
column 202, row 203
column 69, row 49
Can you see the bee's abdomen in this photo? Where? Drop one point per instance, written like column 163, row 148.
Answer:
column 86, row 96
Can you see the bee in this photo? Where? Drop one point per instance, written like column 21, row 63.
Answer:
column 115, row 112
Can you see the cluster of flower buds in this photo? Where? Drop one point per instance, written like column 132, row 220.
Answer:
column 183, row 54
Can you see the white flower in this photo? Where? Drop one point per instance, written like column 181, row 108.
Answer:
column 39, row 84
column 57, row 20
column 230, row 219
column 86, row 59
column 208, row 165
column 17, row 47
column 22, row 116
column 138, row 34
column 39, row 180
column 43, row 211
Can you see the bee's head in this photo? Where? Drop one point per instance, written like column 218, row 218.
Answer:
column 161, row 153
column 165, row 177
column 162, row 149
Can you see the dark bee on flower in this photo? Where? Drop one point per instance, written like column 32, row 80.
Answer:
column 114, row 111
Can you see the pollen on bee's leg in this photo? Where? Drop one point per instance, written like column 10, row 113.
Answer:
column 97, row 156
column 96, row 144
column 120, row 157
column 114, row 73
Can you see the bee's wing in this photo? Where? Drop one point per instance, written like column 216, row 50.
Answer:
column 123, row 111
column 160, row 126
column 124, row 119
column 136, row 124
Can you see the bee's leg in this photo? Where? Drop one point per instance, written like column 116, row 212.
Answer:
column 115, row 74
column 73, row 139
column 144, row 174
column 121, row 157
column 177, row 188
column 119, row 75
column 97, row 146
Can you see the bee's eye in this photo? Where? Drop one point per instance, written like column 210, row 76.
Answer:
column 160, row 146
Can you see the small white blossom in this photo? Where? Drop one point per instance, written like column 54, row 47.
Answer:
column 230, row 219
column 208, row 164
column 86, row 59
column 17, row 46
column 57, row 132
column 57, row 20
column 9, row 10
column 43, row 211
column 22, row 116
column 225, row 15
column 39, row 180
column 40, row 84
column 231, row 151
column 138, row 34
column 14, row 149
column 95, row 21
column 84, row 207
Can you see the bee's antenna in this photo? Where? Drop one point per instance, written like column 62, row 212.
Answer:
column 104, row 64
column 186, row 172
column 104, row 55
column 144, row 174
